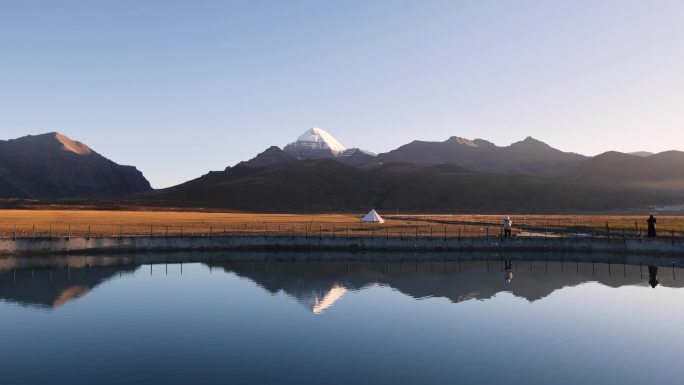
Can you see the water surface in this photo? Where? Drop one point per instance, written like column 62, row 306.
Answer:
column 241, row 319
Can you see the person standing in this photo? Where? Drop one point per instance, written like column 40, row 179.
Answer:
column 652, row 227
column 653, row 276
column 509, row 271
column 507, row 224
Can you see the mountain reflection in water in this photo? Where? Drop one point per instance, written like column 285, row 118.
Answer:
column 318, row 285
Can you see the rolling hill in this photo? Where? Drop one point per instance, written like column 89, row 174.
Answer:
column 54, row 166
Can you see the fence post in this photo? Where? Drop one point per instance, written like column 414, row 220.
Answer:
column 69, row 235
column 14, row 233
column 88, row 236
column 635, row 229
column 546, row 230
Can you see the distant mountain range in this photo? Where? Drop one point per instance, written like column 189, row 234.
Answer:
column 663, row 171
column 528, row 157
column 316, row 173
column 53, row 166
column 325, row 185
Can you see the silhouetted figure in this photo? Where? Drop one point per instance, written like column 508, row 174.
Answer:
column 653, row 276
column 507, row 224
column 652, row 227
column 509, row 271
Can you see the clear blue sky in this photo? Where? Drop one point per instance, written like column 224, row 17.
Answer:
column 178, row 88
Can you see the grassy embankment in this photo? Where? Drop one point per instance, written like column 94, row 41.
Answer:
column 160, row 223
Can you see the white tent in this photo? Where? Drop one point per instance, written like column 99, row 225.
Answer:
column 373, row 217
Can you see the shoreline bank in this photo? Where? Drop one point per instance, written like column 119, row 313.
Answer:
column 103, row 245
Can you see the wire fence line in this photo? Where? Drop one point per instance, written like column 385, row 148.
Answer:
column 402, row 227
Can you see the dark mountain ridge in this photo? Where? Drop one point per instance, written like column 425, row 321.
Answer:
column 329, row 186
column 662, row 171
column 52, row 165
column 528, row 157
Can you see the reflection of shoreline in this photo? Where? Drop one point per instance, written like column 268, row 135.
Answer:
column 209, row 257
column 50, row 288
column 318, row 285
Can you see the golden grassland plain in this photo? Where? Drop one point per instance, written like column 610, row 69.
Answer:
column 62, row 222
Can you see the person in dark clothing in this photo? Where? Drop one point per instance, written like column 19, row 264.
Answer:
column 652, row 227
column 509, row 271
column 653, row 276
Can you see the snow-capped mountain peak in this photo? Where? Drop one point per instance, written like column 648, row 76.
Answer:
column 315, row 143
column 319, row 138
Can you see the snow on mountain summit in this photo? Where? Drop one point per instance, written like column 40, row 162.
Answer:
column 315, row 143
column 319, row 138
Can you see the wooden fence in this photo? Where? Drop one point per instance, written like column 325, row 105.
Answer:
column 403, row 227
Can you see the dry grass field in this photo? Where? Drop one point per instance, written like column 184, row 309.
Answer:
column 40, row 223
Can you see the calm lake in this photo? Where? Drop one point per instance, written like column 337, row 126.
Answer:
column 245, row 318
